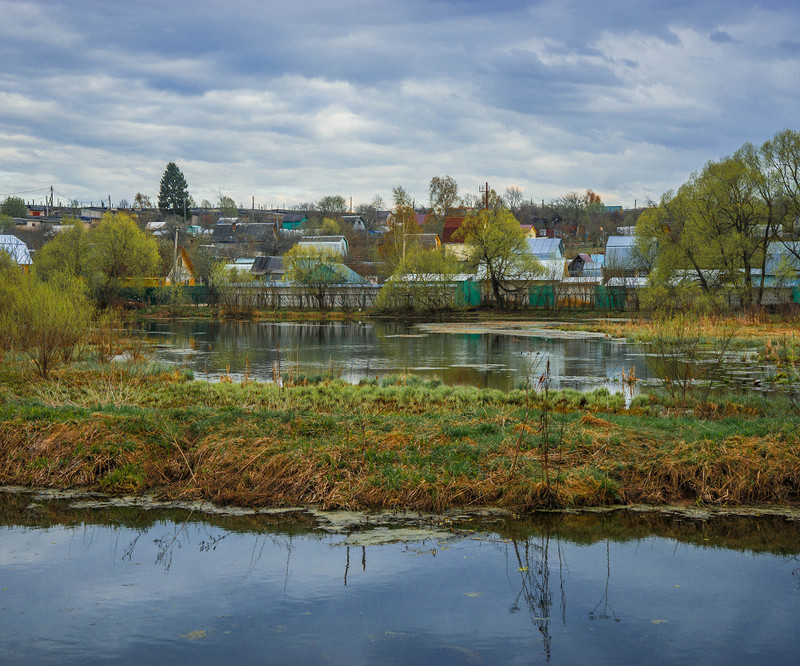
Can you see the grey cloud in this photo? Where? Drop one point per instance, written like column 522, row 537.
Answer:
column 721, row 37
column 288, row 98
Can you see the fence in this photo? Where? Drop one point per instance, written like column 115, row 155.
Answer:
column 278, row 295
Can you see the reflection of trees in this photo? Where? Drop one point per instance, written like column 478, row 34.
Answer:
column 606, row 612
column 347, row 562
column 358, row 350
column 533, row 563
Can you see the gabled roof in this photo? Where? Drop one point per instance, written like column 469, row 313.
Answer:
column 265, row 265
column 353, row 219
column 16, row 249
column 322, row 239
column 451, row 224
column 620, row 241
column 293, row 217
column 619, row 252
column 243, row 232
column 336, row 273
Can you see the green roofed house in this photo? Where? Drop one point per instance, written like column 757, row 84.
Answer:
column 329, row 273
column 293, row 221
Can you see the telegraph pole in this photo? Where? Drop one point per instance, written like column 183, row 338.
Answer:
column 485, row 191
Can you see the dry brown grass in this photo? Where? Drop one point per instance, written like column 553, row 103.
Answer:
column 464, row 454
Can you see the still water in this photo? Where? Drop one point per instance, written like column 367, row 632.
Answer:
column 501, row 356
column 83, row 582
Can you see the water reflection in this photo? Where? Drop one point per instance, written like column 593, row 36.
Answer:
column 107, row 584
column 365, row 350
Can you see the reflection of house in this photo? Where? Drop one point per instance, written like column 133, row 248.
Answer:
column 270, row 269
column 337, row 244
column 17, row 250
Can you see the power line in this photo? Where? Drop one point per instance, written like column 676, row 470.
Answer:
column 13, row 194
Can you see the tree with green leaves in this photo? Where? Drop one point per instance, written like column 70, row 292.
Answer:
column 313, row 269
column 720, row 224
column 423, row 281
column 48, row 320
column 69, row 252
column 173, row 193
column 120, row 252
column 14, row 207
column 496, row 243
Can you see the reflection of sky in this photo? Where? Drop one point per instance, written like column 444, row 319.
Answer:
column 357, row 350
column 97, row 593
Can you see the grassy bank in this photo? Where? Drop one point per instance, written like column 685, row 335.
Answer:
column 399, row 443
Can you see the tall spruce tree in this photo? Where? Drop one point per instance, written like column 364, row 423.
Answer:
column 173, row 195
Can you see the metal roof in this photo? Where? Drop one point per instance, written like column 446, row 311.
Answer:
column 16, row 249
column 620, row 241
column 546, row 248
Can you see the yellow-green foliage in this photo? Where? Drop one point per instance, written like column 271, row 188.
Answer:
column 47, row 320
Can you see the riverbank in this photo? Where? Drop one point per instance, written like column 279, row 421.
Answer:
column 401, row 443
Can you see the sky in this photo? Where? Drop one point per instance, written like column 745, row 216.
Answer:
column 283, row 103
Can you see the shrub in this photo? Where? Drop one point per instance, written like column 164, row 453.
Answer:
column 47, row 320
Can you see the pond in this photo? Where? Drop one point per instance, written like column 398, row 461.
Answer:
column 95, row 581
column 501, row 356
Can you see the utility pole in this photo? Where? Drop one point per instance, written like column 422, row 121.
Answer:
column 175, row 260
column 485, row 191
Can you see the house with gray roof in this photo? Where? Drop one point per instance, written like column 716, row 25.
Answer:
column 337, row 244
column 243, row 232
column 270, row 269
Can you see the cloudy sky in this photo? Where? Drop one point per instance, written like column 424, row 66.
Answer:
column 290, row 101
